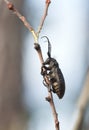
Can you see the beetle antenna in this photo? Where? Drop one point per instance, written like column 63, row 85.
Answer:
column 49, row 46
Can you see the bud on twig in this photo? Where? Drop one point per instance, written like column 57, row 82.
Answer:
column 10, row 6
column 48, row 2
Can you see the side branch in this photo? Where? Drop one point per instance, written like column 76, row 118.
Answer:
column 50, row 97
column 44, row 16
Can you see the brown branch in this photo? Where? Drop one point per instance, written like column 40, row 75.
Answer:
column 82, row 104
column 50, row 97
column 44, row 16
column 55, row 115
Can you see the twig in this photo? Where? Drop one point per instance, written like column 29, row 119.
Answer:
column 44, row 16
column 82, row 104
column 50, row 97
column 55, row 115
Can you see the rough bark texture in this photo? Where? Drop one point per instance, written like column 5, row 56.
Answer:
column 12, row 114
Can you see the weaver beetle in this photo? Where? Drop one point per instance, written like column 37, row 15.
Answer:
column 51, row 70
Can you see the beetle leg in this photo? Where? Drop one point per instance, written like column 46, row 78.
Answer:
column 49, row 89
column 45, row 84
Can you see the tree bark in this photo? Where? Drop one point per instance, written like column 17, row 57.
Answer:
column 12, row 114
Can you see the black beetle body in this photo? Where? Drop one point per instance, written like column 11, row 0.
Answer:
column 50, row 68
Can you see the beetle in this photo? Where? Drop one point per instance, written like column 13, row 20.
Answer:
column 50, row 69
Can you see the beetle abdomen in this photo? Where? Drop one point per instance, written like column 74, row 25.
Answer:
column 58, row 83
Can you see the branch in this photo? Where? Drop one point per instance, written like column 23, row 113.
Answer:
column 44, row 16
column 55, row 115
column 50, row 97
column 82, row 104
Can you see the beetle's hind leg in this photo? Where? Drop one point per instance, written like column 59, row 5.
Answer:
column 44, row 83
column 47, row 86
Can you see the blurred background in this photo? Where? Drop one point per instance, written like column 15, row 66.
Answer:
column 22, row 94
